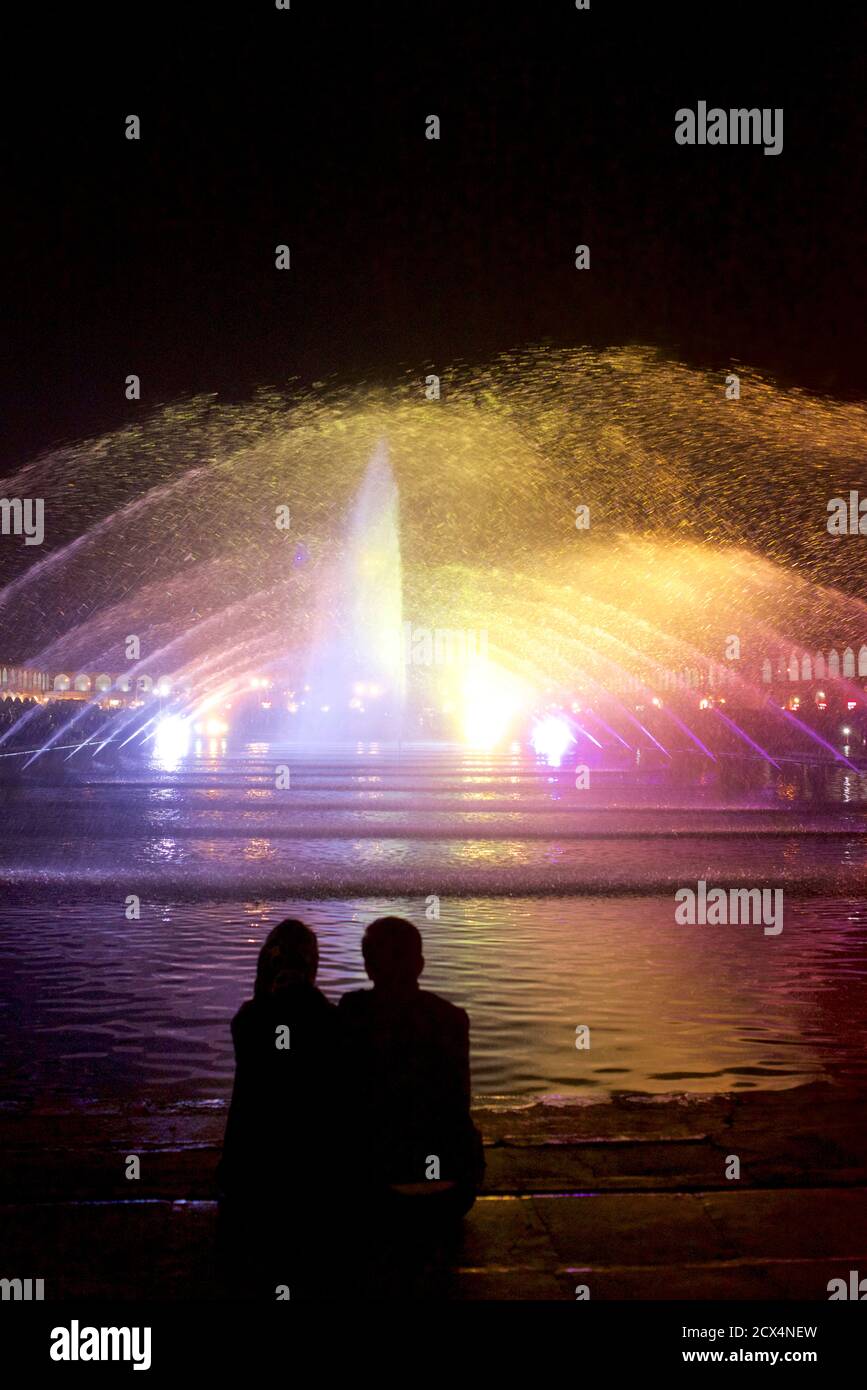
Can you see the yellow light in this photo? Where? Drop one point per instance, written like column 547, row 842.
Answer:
column 492, row 701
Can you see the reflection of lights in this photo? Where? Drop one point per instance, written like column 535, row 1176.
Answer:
column 851, row 704
column 704, row 704
column 266, row 704
column 164, row 689
column 657, row 702
column 325, row 708
column 360, row 688
column 212, row 727
column 374, row 691
column 172, row 740
column 292, row 708
column 550, row 739
column 845, row 731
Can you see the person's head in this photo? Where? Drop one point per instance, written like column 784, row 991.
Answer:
column 392, row 952
column 290, row 956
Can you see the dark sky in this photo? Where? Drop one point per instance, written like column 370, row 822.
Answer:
column 307, row 127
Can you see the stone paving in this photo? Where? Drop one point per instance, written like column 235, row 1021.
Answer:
column 628, row 1198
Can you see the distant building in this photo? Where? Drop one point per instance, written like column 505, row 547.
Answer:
column 100, row 687
column 24, row 681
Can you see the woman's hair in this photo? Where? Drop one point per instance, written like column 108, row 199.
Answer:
column 290, row 956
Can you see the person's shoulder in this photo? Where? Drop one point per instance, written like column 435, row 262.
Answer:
column 354, row 1002
column 246, row 1019
column 443, row 1009
column 322, row 1003
column 247, row 1012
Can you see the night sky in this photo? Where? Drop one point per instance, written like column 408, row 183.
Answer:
column 308, row 127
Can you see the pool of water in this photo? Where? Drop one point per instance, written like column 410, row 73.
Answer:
column 543, row 910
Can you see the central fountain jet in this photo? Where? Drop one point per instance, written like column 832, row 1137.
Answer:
column 356, row 672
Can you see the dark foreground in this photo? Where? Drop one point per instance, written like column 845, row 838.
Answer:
column 629, row 1198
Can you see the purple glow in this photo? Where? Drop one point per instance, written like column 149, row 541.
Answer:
column 550, row 739
column 746, row 738
column 688, row 731
column 838, row 757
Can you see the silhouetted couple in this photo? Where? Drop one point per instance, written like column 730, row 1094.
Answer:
column 351, row 1121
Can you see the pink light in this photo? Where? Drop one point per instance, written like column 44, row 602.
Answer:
column 550, row 739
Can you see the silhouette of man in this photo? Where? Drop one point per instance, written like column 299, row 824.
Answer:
column 408, row 1051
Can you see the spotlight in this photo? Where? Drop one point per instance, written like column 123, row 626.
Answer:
column 172, row 740
column 551, row 738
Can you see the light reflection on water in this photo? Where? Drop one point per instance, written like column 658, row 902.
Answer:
column 536, row 934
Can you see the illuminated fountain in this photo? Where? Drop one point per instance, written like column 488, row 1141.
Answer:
column 166, row 530
column 356, row 674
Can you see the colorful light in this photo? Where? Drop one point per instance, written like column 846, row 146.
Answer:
column 214, row 728
column 171, row 740
column 492, row 699
column 551, row 738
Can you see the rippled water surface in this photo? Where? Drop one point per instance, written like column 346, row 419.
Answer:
column 555, row 910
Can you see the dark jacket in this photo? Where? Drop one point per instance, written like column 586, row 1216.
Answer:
column 409, row 1061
